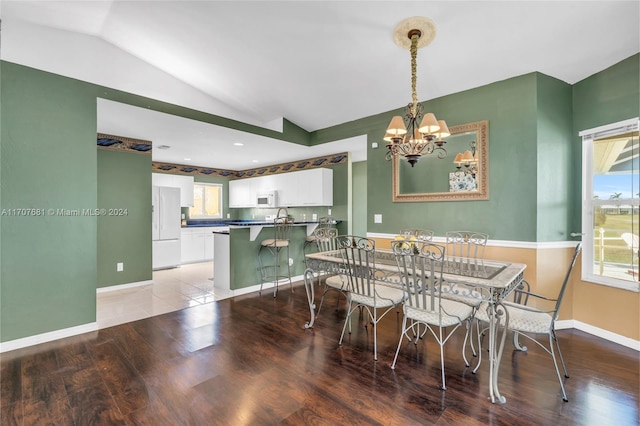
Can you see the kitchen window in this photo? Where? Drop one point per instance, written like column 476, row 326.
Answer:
column 207, row 201
column 610, row 205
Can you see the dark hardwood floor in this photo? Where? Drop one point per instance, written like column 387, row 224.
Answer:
column 249, row 360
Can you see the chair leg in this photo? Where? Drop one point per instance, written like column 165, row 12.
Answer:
column 289, row 270
column 347, row 320
column 441, row 343
column 375, row 334
column 467, row 336
column 404, row 330
column 564, row 367
column 261, row 268
column 555, row 364
column 276, row 265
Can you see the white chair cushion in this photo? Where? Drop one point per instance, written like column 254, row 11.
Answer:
column 452, row 313
column 529, row 320
column 274, row 243
column 386, row 297
column 341, row 282
column 311, row 238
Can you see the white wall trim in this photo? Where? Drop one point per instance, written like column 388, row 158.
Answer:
column 122, row 286
column 496, row 243
column 47, row 337
column 599, row 332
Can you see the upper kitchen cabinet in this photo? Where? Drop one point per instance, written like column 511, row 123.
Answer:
column 305, row 188
column 185, row 183
column 241, row 193
column 295, row 189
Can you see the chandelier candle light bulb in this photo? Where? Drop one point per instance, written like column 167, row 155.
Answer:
column 413, row 140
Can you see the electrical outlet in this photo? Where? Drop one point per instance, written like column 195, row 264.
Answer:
column 377, row 218
column 119, row 267
column 329, row 212
column 228, row 215
column 290, row 262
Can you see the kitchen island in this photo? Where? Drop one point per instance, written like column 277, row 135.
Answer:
column 237, row 245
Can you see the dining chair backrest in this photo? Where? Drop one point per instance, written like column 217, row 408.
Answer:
column 420, row 234
column 566, row 281
column 326, row 239
column 465, row 250
column 359, row 256
column 421, row 271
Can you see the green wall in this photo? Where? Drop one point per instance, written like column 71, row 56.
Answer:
column 48, row 155
column 124, row 182
column 510, row 108
column 609, row 96
column 555, row 161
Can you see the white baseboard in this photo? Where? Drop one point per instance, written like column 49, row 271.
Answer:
column 256, row 287
column 47, row 337
column 599, row 332
column 123, row 286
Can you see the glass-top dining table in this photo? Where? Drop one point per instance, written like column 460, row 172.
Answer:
column 490, row 279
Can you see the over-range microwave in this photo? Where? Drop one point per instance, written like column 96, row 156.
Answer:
column 267, row 199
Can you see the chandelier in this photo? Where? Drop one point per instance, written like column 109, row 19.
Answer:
column 413, row 140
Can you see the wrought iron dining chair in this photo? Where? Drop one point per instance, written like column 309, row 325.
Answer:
column 274, row 246
column 364, row 290
column 310, row 240
column 421, row 271
column 528, row 321
column 465, row 254
column 327, row 240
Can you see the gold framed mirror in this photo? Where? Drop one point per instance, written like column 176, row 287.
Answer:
column 434, row 179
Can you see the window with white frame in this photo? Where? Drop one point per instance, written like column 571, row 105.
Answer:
column 610, row 204
column 207, row 201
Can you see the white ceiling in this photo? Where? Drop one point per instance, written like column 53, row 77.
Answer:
column 316, row 64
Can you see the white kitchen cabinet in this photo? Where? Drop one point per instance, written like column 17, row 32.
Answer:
column 241, row 194
column 185, row 183
column 301, row 188
column 197, row 244
column 208, row 245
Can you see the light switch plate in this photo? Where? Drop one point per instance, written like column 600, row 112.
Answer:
column 374, row 145
column 119, row 266
column 377, row 218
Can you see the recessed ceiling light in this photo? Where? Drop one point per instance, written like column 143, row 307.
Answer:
column 163, row 147
column 254, row 161
column 187, row 159
column 238, row 144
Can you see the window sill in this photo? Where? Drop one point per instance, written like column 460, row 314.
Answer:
column 611, row 282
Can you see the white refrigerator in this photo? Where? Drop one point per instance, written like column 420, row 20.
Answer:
column 165, row 229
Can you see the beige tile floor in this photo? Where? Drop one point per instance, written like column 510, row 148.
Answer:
column 172, row 290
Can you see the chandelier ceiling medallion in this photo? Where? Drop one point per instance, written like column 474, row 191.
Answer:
column 414, row 140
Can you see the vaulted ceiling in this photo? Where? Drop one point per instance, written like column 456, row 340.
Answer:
column 316, row 64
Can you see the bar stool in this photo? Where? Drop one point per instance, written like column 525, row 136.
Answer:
column 273, row 246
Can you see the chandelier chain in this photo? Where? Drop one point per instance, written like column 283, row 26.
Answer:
column 414, row 55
